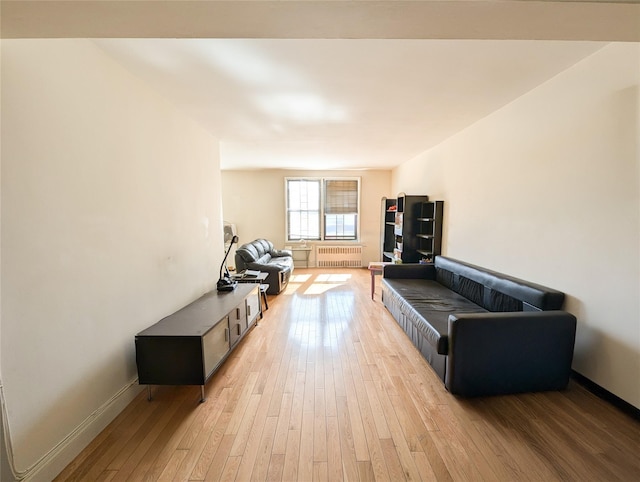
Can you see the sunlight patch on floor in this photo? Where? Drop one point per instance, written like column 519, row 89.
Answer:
column 321, row 283
column 295, row 282
column 318, row 289
column 325, row 282
column 291, row 288
column 299, row 278
column 333, row 278
column 322, row 307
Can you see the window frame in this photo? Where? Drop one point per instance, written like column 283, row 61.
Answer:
column 321, row 212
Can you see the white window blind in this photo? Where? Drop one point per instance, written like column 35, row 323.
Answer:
column 341, row 209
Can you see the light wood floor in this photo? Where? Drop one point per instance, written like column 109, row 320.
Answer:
column 328, row 387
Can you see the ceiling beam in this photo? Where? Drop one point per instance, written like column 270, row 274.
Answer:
column 428, row 19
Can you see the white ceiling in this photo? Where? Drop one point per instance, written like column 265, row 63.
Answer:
column 333, row 84
column 339, row 104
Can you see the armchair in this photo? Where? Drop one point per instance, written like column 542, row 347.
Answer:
column 260, row 255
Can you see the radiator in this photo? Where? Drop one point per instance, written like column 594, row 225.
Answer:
column 339, row 256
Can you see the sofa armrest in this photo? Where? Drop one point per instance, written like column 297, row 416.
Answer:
column 277, row 276
column 409, row 271
column 497, row 353
column 279, row 253
column 265, row 267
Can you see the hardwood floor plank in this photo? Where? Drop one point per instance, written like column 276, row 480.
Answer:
column 212, row 413
column 136, row 459
column 201, row 421
column 238, row 403
column 260, row 468
column 164, row 447
column 230, row 469
column 365, row 471
column 506, row 467
column 347, row 443
column 329, row 387
column 292, row 370
column 246, row 426
column 105, row 476
column 379, row 418
column 297, row 402
column 305, row 461
column 405, row 455
column 211, row 447
column 452, row 449
column 392, row 461
column 476, row 442
column 425, row 470
column 319, row 428
column 411, row 424
column 276, row 467
column 376, row 455
column 510, row 442
column 292, row 456
column 279, row 387
column 309, row 389
column 216, row 468
column 269, row 366
column 282, row 429
column 253, row 442
column 334, row 454
column 171, row 468
column 355, row 417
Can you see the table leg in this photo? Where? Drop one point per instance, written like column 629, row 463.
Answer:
column 373, row 283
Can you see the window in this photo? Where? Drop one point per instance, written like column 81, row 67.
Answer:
column 340, row 209
column 322, row 209
column 303, row 209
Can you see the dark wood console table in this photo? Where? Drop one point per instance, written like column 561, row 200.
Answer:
column 187, row 347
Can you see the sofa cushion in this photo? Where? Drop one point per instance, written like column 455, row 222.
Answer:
column 428, row 305
column 260, row 248
column 267, row 246
column 248, row 253
column 473, row 281
column 264, row 259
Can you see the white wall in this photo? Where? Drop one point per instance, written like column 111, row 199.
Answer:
column 547, row 189
column 5, row 471
column 255, row 202
column 111, row 219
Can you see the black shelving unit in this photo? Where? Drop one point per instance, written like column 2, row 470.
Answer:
column 387, row 236
column 429, row 233
column 400, row 229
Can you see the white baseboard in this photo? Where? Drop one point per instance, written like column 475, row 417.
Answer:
column 62, row 455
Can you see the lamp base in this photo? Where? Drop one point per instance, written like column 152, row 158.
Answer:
column 226, row 284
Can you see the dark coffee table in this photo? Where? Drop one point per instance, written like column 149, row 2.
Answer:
column 242, row 277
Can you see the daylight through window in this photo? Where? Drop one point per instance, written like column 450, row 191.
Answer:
column 322, row 209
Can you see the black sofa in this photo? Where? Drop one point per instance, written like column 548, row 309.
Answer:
column 483, row 332
column 260, row 255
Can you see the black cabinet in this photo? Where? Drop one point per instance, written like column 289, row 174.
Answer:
column 429, row 234
column 187, row 347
